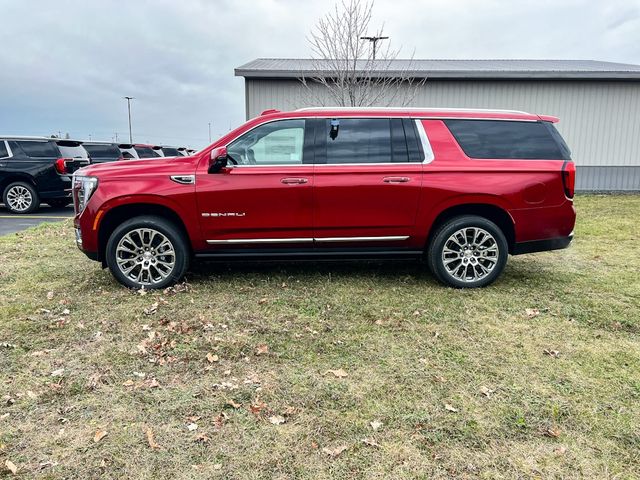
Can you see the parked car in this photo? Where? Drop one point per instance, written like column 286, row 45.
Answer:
column 101, row 152
column 34, row 170
column 462, row 189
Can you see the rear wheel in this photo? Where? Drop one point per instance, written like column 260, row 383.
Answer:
column 148, row 252
column 21, row 197
column 468, row 252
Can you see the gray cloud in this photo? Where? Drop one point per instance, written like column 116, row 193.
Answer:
column 66, row 65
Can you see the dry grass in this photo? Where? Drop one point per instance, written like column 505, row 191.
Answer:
column 408, row 345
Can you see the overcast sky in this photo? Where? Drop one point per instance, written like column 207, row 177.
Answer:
column 65, row 65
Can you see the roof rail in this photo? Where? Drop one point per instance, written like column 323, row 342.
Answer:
column 416, row 109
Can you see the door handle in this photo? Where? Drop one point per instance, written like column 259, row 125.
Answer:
column 294, row 180
column 396, row 179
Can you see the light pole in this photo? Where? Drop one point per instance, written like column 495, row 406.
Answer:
column 129, row 110
column 209, row 132
column 375, row 41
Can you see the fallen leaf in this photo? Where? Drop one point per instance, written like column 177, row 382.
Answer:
column 202, row 438
column 334, row 452
column 370, row 442
column 561, row 450
column 100, row 434
column 262, row 300
column 128, row 383
column 49, row 295
column 154, row 383
column 532, row 312
column 340, row 373
column 233, row 404
column 376, row 425
column 450, row 408
column 486, row 391
column 439, row 379
column 277, row 419
column 211, row 358
column 552, row 353
column 257, row 407
column 151, row 440
column 152, row 309
column 262, row 349
column 553, row 432
column 192, row 427
column 217, row 466
column 57, row 373
column 289, row 411
column 11, row 466
column 66, row 311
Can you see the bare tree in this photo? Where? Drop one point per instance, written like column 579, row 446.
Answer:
column 343, row 64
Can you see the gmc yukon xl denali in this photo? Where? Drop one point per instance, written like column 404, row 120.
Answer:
column 462, row 189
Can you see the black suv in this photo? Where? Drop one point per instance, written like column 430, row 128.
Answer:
column 33, row 170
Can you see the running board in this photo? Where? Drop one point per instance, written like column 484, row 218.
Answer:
column 311, row 254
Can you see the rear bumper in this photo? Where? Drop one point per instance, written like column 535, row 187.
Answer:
column 557, row 243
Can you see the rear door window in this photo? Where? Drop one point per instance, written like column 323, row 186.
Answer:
column 358, row 140
column 37, row 149
column 502, row 139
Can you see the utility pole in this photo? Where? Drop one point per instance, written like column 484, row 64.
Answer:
column 209, row 132
column 129, row 109
column 375, row 41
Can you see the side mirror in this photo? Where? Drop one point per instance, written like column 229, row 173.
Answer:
column 218, row 160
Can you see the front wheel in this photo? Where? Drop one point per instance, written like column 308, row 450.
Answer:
column 148, row 252
column 468, row 252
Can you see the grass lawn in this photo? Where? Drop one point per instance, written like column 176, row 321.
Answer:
column 314, row 371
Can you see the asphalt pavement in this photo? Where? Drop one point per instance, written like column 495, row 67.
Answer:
column 11, row 223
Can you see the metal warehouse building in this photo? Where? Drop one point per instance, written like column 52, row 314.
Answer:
column 598, row 102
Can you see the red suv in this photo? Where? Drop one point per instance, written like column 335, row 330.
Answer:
column 461, row 188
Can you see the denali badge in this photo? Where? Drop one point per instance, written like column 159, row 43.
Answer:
column 224, row 214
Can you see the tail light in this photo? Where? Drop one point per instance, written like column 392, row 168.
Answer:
column 61, row 166
column 569, row 178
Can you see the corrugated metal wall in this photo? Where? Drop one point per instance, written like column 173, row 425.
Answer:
column 599, row 120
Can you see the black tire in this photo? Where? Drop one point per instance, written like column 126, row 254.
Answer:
column 478, row 265
column 160, row 225
column 58, row 202
column 14, row 201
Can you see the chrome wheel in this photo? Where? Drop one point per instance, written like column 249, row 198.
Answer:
column 19, row 198
column 470, row 254
column 145, row 256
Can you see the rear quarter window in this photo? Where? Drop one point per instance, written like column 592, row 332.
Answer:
column 37, row 149
column 3, row 149
column 502, row 139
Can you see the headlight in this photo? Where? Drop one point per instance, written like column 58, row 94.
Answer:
column 83, row 188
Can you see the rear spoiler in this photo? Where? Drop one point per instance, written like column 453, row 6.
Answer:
column 549, row 118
